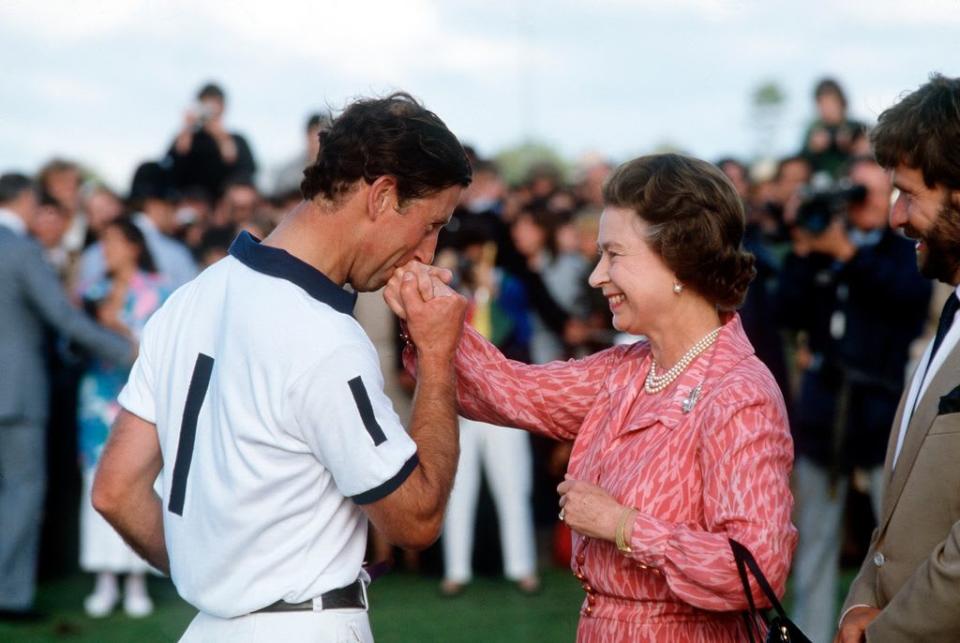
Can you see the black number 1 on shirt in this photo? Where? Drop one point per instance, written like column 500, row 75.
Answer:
column 188, row 431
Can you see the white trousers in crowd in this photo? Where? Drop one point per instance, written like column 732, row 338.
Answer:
column 101, row 547
column 507, row 459
column 818, row 512
column 329, row 626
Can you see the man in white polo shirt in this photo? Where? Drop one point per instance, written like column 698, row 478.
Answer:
column 908, row 588
column 259, row 399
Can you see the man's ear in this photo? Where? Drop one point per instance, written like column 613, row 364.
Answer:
column 381, row 196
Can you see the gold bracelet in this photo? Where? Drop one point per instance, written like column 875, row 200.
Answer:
column 621, row 536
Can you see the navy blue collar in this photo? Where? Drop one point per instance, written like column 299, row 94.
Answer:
column 283, row 265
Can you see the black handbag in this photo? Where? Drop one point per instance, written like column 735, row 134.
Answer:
column 780, row 629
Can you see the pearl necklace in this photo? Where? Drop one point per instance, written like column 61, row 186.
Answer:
column 656, row 383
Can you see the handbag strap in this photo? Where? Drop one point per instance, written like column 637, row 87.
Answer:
column 743, row 557
column 749, row 617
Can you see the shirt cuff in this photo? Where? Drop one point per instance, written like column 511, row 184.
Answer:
column 649, row 540
column 847, row 611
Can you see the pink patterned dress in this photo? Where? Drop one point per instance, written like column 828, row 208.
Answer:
column 718, row 470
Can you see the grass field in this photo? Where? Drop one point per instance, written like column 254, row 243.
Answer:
column 405, row 608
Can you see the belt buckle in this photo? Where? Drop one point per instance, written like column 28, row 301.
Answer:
column 363, row 592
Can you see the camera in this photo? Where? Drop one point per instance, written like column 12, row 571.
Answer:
column 202, row 112
column 820, row 205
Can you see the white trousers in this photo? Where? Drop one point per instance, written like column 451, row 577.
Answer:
column 506, row 458
column 101, row 547
column 818, row 513
column 330, row 626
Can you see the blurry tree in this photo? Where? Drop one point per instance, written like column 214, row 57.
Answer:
column 514, row 162
column 766, row 101
column 667, row 147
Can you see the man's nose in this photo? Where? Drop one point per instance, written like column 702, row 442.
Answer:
column 898, row 213
column 425, row 251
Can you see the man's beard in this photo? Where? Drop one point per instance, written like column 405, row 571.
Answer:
column 943, row 245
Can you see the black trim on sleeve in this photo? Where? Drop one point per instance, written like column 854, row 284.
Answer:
column 388, row 487
column 362, row 400
column 199, row 382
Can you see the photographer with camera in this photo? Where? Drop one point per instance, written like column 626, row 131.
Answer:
column 833, row 138
column 851, row 291
column 205, row 154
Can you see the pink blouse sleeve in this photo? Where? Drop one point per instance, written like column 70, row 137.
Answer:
column 550, row 399
column 747, row 454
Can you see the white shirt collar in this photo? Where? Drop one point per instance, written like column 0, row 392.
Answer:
column 10, row 219
column 923, row 375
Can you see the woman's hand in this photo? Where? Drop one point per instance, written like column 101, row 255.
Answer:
column 589, row 510
column 431, row 282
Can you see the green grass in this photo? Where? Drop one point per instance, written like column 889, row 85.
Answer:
column 405, row 607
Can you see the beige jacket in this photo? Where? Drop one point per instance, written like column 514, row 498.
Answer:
column 912, row 569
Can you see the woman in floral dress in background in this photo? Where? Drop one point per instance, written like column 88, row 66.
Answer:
column 122, row 301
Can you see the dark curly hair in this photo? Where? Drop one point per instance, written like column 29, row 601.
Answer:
column 696, row 222
column 393, row 136
column 922, row 131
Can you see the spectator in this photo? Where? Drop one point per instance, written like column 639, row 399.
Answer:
column 153, row 196
column 48, row 227
column 591, row 175
column 101, row 205
column 758, row 313
column 855, row 291
column 122, row 301
column 832, row 138
column 60, row 179
column 288, row 176
column 31, row 300
column 239, row 203
column 534, row 235
column 204, row 153
column 193, row 216
column 498, row 311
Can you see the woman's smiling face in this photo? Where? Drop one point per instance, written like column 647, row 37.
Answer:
column 635, row 280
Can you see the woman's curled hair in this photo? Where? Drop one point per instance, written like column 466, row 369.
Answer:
column 695, row 222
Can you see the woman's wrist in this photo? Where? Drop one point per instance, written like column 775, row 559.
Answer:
column 624, row 531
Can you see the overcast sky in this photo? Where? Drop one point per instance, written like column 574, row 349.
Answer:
column 106, row 82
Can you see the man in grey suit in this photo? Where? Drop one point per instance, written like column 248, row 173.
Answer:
column 908, row 588
column 31, row 299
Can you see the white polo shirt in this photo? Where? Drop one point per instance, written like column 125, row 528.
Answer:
column 269, row 406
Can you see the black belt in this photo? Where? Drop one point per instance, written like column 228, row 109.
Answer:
column 353, row 596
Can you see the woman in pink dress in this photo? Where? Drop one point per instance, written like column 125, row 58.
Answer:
column 681, row 440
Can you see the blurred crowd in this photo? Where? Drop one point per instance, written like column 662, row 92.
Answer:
column 837, row 312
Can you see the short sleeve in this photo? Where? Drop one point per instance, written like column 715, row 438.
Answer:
column 137, row 395
column 349, row 423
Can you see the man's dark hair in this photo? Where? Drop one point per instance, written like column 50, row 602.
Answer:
column 486, row 165
column 242, row 179
column 922, row 131
column 830, row 86
column 787, row 160
column 393, row 136
column 212, row 90
column 50, row 201
column 12, row 185
column 319, row 119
